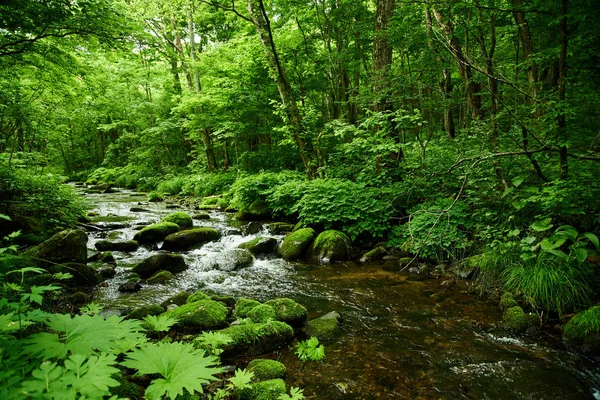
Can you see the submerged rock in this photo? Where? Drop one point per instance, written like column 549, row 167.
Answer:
column 200, row 315
column 324, row 328
column 188, row 239
column 295, row 244
column 234, row 260
column 183, row 219
column 168, row 262
column 160, row 277
column 331, row 246
column 260, row 245
column 130, row 287
column 117, row 245
column 156, row 232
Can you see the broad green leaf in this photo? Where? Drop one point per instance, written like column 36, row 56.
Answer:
column 542, row 225
column 241, row 379
column 548, row 244
column 580, row 254
column 517, row 180
column 568, row 231
column 514, row 232
column 558, row 253
column 592, row 238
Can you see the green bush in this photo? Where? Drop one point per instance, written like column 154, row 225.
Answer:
column 248, row 189
column 171, row 186
column 583, row 324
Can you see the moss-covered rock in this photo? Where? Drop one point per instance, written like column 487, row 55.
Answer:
column 178, row 299
column 265, row 369
column 468, row 268
column 507, row 301
column 262, row 313
column 279, row 228
column 160, row 277
column 324, row 328
column 583, row 325
column 68, row 246
column 82, row 274
column 243, row 307
column 200, row 315
column 288, row 311
column 331, row 246
column 260, row 245
column 155, row 232
column 190, row 238
column 234, row 260
column 375, row 254
column 265, row 390
column 117, row 245
column 201, row 216
column 167, row 262
column 197, row 296
column 144, row 311
column 183, row 219
column 514, row 319
column 227, row 301
column 295, row 244
column 250, row 338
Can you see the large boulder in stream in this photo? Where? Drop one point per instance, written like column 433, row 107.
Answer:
column 234, row 260
column 163, row 261
column 288, row 311
column 251, row 338
column 326, row 327
column 184, row 220
column 295, row 244
column 260, row 245
column 331, row 246
column 156, row 232
column 200, row 315
column 117, row 245
column 190, row 238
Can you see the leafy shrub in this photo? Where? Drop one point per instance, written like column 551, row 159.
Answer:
column 585, row 323
column 171, row 186
column 248, row 189
column 202, row 185
column 310, row 350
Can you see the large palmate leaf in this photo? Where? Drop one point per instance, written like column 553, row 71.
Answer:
column 179, row 364
column 83, row 334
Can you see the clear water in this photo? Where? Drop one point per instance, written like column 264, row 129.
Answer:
column 401, row 339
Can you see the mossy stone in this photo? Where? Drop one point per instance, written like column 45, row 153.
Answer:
column 375, row 254
column 197, row 297
column 178, row 299
column 262, row 313
column 265, row 369
column 514, row 318
column 296, row 243
column 144, row 311
column 244, row 306
column 507, row 301
column 260, row 245
column 331, row 246
column 266, row 390
column 324, row 328
column 288, row 311
column 155, row 232
column 278, row 228
column 183, row 219
column 163, row 261
column 250, row 338
column 201, row 216
column 68, row 246
column 228, row 301
column 117, row 245
column 201, row 315
column 190, row 238
column 160, row 277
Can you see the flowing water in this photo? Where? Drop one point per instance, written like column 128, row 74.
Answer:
column 401, row 339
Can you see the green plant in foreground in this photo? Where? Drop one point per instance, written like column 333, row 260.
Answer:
column 295, row 394
column 310, row 350
column 213, row 341
column 158, row 323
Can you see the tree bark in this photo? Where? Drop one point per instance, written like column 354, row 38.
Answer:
column 382, row 55
column 562, row 83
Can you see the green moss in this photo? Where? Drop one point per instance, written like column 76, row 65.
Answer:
column 160, row 277
column 376, row 254
column 260, row 245
column 144, row 311
column 252, row 339
column 264, row 369
column 243, row 307
column 288, row 311
column 332, row 245
column 277, row 228
column 582, row 325
column 514, row 318
column 262, row 313
column 295, row 244
column 197, row 297
column 190, row 238
column 203, row 314
column 184, row 220
column 507, row 301
column 266, row 390
column 179, row 299
column 326, row 327
column 156, row 232
column 155, row 197
column 228, row 301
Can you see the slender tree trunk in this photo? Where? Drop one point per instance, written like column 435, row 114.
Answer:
column 562, row 83
column 382, row 55
column 263, row 29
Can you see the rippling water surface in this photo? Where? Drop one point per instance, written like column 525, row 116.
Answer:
column 401, row 339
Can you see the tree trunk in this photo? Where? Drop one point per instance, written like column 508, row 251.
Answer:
column 562, row 76
column 263, row 29
column 382, row 55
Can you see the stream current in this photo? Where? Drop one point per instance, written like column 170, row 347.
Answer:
column 401, row 339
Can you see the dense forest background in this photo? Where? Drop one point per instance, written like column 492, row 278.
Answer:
column 444, row 128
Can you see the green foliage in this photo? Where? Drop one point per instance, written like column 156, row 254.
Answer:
column 310, row 349
column 158, row 323
column 248, row 189
column 155, row 197
column 213, row 342
column 295, row 394
column 583, row 324
column 240, row 380
column 265, row 369
column 179, row 364
column 171, row 186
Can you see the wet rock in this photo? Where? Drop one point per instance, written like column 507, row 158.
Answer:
column 197, row 297
column 250, row 338
column 234, row 260
column 404, row 261
column 279, row 228
column 468, row 268
column 130, row 287
column 156, row 232
column 160, row 277
column 331, row 246
column 117, row 245
column 514, row 319
column 295, row 244
column 262, row 313
column 93, row 214
column 265, row 369
column 391, row 257
column 324, row 328
column 288, row 311
column 424, row 269
column 144, row 311
column 200, row 315
column 244, row 306
column 448, row 282
column 373, row 255
column 168, row 262
column 139, row 209
column 179, row 299
column 107, row 257
column 183, row 219
column 413, row 270
column 260, row 245
column 190, row 238
column 201, row 216
column 107, row 272
column 172, row 206
column 252, row 228
column 507, row 301
column 227, row 301
column 68, row 246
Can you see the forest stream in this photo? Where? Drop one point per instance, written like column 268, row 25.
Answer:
column 401, row 339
